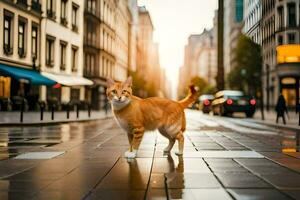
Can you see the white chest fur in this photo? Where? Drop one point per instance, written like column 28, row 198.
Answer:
column 122, row 124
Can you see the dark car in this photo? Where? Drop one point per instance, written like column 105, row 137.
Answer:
column 205, row 102
column 227, row 102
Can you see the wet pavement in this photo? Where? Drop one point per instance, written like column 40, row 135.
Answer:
column 224, row 158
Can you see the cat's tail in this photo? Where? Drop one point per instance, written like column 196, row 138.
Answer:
column 190, row 98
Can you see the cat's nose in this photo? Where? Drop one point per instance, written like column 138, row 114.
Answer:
column 120, row 98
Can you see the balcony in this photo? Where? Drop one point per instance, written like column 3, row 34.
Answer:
column 51, row 14
column 36, row 6
column 22, row 3
column 91, row 42
column 92, row 12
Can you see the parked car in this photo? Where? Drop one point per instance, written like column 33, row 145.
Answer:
column 227, row 102
column 205, row 102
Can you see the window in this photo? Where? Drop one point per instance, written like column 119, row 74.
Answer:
column 34, row 41
column 63, row 47
column 74, row 59
column 291, row 15
column 74, row 17
column 280, row 17
column 91, row 6
column 63, row 12
column 7, row 33
column 291, row 38
column 50, row 9
column 50, row 51
column 21, row 38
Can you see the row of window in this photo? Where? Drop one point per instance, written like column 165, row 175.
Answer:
column 92, row 68
column 23, row 30
column 290, row 39
column 63, row 12
column 291, row 16
column 50, row 49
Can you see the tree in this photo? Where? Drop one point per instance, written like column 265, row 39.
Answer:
column 247, row 72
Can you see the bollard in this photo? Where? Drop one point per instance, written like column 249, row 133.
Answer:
column 42, row 112
column 52, row 112
column 22, row 110
column 89, row 110
column 77, row 111
column 68, row 110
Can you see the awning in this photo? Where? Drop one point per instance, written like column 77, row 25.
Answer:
column 25, row 75
column 68, row 80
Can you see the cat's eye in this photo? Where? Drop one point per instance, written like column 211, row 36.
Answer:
column 124, row 91
column 114, row 91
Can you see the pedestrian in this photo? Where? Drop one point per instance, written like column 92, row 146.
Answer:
column 281, row 108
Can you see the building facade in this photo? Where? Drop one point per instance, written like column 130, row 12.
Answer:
column 122, row 40
column 99, row 43
column 275, row 26
column 145, row 41
column 62, row 50
column 233, row 21
column 133, row 35
column 287, row 44
column 20, row 48
column 252, row 19
column 200, row 59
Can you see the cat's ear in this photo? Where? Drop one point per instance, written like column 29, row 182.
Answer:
column 128, row 81
column 110, row 82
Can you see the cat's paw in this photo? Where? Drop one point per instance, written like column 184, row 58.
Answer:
column 179, row 153
column 130, row 154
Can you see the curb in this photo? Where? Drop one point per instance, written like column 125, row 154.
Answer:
column 289, row 127
column 51, row 122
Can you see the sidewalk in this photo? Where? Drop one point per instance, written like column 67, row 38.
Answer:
column 270, row 119
column 31, row 118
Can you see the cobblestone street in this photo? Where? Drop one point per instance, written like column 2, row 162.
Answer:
column 224, row 158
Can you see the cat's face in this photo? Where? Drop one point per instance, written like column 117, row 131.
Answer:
column 119, row 93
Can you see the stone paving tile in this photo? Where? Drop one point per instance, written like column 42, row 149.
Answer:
column 59, row 195
column 293, row 193
column 191, row 180
column 11, row 167
column 15, row 195
column 198, row 194
column 294, row 154
column 28, row 186
column 257, row 194
column 241, row 180
column 178, row 164
column 101, row 194
column 284, row 181
column 128, row 175
column 156, row 194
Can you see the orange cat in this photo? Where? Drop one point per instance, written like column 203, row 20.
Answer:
column 136, row 115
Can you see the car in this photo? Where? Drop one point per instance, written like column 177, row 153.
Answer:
column 227, row 102
column 205, row 102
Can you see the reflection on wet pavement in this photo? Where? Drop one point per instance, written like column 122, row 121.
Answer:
column 218, row 162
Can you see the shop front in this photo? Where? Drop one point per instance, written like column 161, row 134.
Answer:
column 69, row 91
column 18, row 85
column 288, row 71
column 96, row 94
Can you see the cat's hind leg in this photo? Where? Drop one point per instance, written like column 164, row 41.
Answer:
column 172, row 141
column 180, row 139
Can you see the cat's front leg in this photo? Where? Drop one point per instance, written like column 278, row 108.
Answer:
column 137, row 135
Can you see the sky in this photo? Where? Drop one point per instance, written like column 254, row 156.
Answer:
column 174, row 21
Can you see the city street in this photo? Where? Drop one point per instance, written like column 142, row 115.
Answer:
column 225, row 158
